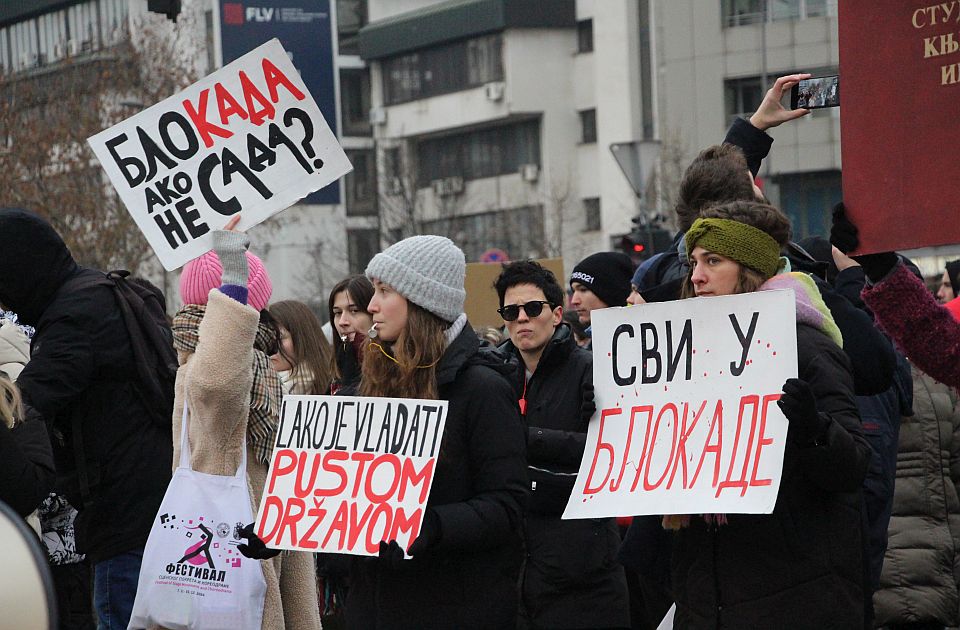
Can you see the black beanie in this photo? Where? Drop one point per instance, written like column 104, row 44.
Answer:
column 953, row 272
column 607, row 274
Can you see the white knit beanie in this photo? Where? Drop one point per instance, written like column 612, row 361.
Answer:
column 427, row 270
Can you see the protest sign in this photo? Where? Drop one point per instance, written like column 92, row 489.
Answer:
column 348, row 472
column 900, row 84
column 248, row 138
column 687, row 420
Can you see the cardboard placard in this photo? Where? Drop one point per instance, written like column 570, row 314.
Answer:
column 348, row 472
column 900, row 89
column 687, row 420
column 248, row 138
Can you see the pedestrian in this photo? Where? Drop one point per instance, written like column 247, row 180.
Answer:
column 466, row 561
column 949, row 283
column 304, row 358
column 223, row 342
column 112, row 456
column 347, row 307
column 766, row 571
column 571, row 577
column 26, row 461
column 919, row 583
column 599, row 281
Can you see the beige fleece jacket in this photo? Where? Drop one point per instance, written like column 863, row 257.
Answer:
column 217, row 378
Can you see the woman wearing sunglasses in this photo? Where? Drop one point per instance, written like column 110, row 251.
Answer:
column 799, row 567
column 466, row 561
column 571, row 578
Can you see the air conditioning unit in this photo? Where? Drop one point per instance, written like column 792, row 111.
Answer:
column 494, row 90
column 73, row 47
column 447, row 186
column 378, row 116
column 28, row 60
column 395, row 186
column 529, row 172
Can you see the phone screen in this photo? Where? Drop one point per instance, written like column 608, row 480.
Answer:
column 816, row 93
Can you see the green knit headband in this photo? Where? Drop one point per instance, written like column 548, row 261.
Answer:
column 738, row 241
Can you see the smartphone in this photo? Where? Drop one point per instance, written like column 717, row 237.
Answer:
column 816, row 93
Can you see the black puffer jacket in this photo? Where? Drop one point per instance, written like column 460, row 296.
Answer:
column 921, row 569
column 469, row 580
column 800, row 567
column 82, row 370
column 26, row 463
column 572, row 578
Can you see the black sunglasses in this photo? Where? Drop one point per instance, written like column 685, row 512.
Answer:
column 512, row 311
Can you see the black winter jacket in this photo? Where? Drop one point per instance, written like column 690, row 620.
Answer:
column 571, row 578
column 801, row 566
column 26, row 464
column 82, row 371
column 469, row 579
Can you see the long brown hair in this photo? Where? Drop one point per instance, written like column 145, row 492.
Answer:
column 759, row 215
column 311, row 350
column 408, row 367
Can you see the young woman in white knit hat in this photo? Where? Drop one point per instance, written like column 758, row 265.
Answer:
column 465, row 563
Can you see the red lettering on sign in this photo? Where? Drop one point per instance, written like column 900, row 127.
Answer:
column 716, row 424
column 198, row 115
column 601, row 446
column 276, row 78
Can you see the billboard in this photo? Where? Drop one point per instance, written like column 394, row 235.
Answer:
column 305, row 29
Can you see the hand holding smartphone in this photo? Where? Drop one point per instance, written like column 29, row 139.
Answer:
column 816, row 93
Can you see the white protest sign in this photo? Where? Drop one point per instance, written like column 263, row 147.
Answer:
column 348, row 472
column 687, row 420
column 248, row 138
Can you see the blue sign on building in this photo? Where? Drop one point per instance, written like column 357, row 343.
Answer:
column 305, row 29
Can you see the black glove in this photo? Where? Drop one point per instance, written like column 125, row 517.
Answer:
column 391, row 554
column 429, row 534
column 256, row 549
column 800, row 407
column 845, row 236
column 588, row 405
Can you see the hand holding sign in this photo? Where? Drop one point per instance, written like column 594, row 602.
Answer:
column 247, row 137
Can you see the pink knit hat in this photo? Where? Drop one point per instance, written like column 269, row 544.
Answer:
column 204, row 273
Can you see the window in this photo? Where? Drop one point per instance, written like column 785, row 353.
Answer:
column 588, row 126
column 443, row 69
column 355, row 102
column 361, row 184
column 591, row 213
column 742, row 96
column 585, row 36
column 743, row 12
column 482, row 153
column 362, row 245
column 807, row 199
column 351, row 17
column 517, row 231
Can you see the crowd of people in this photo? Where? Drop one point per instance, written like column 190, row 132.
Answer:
column 866, row 528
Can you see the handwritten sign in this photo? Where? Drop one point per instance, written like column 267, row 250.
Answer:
column 900, row 76
column 348, row 472
column 248, row 138
column 687, row 420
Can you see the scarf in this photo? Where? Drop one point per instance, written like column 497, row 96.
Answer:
column 265, row 392
column 811, row 310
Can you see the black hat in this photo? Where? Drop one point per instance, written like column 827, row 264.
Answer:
column 953, row 272
column 607, row 274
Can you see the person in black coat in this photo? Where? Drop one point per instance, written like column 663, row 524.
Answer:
column 571, row 577
column 26, row 461
column 466, row 560
column 83, row 381
column 801, row 566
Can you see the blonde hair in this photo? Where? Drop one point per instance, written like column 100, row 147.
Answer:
column 10, row 412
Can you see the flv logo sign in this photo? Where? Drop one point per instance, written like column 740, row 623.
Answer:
column 260, row 14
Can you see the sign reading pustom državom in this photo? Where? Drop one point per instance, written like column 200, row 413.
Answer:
column 687, row 419
column 248, row 138
column 348, row 472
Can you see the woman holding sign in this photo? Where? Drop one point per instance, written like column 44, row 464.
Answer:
column 466, row 561
column 799, row 567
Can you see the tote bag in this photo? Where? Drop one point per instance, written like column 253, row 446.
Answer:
column 192, row 576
